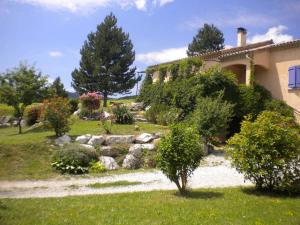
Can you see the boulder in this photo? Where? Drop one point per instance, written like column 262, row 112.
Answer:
column 144, row 138
column 119, row 139
column 61, row 141
column 112, row 151
column 87, row 146
column 137, row 149
column 83, row 139
column 136, row 106
column 109, row 163
column 96, row 140
column 131, row 162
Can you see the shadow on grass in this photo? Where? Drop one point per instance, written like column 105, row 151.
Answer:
column 200, row 195
column 274, row 194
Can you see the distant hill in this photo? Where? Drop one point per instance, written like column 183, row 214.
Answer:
column 73, row 94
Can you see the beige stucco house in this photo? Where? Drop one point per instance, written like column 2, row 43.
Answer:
column 276, row 66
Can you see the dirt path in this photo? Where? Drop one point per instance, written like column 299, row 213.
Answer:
column 216, row 172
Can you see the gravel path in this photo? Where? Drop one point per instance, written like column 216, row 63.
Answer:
column 215, row 172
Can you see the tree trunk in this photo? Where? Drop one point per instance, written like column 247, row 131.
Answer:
column 20, row 125
column 105, row 100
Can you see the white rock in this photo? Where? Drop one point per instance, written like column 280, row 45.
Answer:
column 61, row 141
column 131, row 162
column 136, row 106
column 108, row 162
column 106, row 115
column 119, row 139
column 87, row 146
column 77, row 112
column 144, row 138
column 96, row 140
column 137, row 149
column 83, row 139
column 147, row 108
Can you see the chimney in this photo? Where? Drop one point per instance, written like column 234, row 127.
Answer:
column 241, row 36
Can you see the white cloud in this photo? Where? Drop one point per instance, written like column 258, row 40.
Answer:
column 161, row 2
column 56, row 54
column 140, row 4
column 274, row 33
column 86, row 6
column 164, row 55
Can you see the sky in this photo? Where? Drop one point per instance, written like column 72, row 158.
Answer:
column 49, row 33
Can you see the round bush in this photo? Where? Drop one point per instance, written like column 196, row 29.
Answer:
column 179, row 154
column 33, row 113
column 267, row 152
column 74, row 159
column 90, row 101
column 56, row 112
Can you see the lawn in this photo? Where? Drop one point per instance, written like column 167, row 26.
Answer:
column 113, row 184
column 28, row 156
column 232, row 206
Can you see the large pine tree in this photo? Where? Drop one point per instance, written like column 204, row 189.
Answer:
column 208, row 38
column 106, row 59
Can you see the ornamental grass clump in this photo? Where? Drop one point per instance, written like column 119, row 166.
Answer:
column 179, row 154
column 267, row 152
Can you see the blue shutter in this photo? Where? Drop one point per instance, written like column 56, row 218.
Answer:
column 292, row 77
column 297, row 76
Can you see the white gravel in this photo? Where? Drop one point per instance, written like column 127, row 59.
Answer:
column 215, row 172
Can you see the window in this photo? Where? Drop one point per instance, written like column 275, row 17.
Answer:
column 294, row 77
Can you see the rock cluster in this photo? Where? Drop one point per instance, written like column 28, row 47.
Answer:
column 109, row 146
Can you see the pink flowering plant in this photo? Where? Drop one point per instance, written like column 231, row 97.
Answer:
column 91, row 101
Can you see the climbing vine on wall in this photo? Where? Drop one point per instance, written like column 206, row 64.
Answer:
column 180, row 69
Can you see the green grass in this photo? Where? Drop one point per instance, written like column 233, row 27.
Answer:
column 113, row 184
column 28, row 156
column 232, row 206
column 10, row 135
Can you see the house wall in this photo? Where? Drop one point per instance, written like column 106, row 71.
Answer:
column 275, row 78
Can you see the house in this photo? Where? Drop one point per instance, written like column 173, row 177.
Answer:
column 276, row 66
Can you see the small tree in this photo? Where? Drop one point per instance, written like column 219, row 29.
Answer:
column 179, row 154
column 58, row 88
column 209, row 38
column 212, row 117
column 21, row 87
column 267, row 151
column 106, row 59
column 56, row 112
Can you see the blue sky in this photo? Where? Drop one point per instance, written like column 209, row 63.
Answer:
column 50, row 33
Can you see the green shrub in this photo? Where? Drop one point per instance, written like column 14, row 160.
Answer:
column 179, row 154
column 267, row 152
column 74, row 159
column 33, row 113
column 73, row 104
column 211, row 118
column 56, row 111
column 6, row 110
column 153, row 112
column 279, row 106
column 97, row 167
column 252, row 100
column 122, row 115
